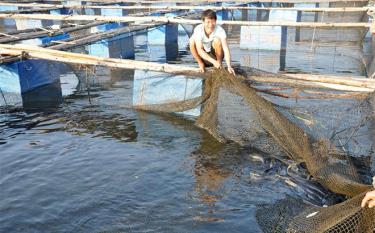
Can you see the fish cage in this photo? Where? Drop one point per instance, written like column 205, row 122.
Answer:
column 303, row 92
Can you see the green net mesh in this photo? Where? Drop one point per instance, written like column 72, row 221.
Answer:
column 326, row 151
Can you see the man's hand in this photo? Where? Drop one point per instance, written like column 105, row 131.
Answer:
column 217, row 64
column 201, row 67
column 231, row 70
column 369, row 200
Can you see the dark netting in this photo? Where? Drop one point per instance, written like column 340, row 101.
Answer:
column 237, row 110
column 292, row 215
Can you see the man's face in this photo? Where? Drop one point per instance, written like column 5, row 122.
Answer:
column 209, row 25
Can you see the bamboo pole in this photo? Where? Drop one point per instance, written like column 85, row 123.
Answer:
column 171, row 19
column 86, row 39
column 65, row 29
column 15, row 32
column 313, row 95
column 325, row 9
column 128, row 30
column 73, row 42
column 74, row 58
column 8, row 35
column 290, row 81
column 214, row 1
column 20, row 1
column 38, row 34
column 41, row 9
column 338, row 9
column 350, row 81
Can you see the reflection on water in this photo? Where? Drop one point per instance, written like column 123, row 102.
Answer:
column 92, row 122
column 209, row 171
column 45, row 97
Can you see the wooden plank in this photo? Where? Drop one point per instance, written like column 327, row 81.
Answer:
column 31, row 5
column 342, row 80
column 67, row 57
column 74, row 58
column 214, row 1
column 290, row 81
column 86, row 39
column 33, row 10
column 37, row 33
column 178, row 20
column 8, row 35
column 42, row 33
column 334, row 9
column 15, row 32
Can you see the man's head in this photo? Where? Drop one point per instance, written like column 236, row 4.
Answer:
column 209, row 20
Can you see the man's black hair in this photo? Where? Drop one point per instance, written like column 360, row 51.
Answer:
column 210, row 14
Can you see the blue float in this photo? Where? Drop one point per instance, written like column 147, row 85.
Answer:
column 222, row 14
column 164, row 35
column 45, row 40
column 121, row 46
column 24, row 76
column 8, row 22
column 67, row 11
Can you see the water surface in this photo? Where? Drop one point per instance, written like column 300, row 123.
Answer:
column 89, row 163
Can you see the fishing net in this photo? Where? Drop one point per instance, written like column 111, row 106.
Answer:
column 235, row 108
column 292, row 215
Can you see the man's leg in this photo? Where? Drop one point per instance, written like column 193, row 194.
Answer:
column 218, row 48
column 194, row 51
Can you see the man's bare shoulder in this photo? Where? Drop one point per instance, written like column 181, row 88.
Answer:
column 198, row 31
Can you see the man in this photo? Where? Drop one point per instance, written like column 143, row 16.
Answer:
column 208, row 43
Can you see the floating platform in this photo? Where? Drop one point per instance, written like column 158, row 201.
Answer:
column 283, row 37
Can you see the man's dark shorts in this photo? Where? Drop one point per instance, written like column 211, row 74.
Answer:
column 211, row 54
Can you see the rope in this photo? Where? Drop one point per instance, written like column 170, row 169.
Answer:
column 334, row 53
column 312, row 44
column 5, row 101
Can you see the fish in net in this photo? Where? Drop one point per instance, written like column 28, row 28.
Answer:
column 232, row 109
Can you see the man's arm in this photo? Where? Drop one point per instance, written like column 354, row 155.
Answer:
column 227, row 55
column 369, row 200
column 205, row 55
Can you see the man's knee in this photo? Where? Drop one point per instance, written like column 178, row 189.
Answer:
column 216, row 43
